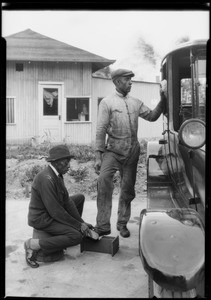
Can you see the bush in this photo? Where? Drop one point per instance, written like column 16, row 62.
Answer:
column 30, row 174
column 79, row 174
column 83, row 153
column 143, row 151
column 23, row 152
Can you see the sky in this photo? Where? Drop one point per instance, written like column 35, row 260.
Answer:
column 111, row 34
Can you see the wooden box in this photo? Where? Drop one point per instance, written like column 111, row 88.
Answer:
column 106, row 244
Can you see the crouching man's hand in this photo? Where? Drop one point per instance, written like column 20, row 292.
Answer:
column 89, row 225
column 84, row 229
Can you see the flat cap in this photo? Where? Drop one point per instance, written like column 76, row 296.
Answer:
column 121, row 72
column 59, row 152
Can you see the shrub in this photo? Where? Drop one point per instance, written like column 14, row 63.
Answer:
column 83, row 153
column 30, row 174
column 79, row 174
column 23, row 152
column 143, row 151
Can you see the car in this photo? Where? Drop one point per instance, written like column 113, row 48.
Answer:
column 172, row 227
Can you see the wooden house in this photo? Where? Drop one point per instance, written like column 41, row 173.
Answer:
column 52, row 95
column 48, row 89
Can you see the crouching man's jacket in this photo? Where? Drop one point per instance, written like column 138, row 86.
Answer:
column 50, row 201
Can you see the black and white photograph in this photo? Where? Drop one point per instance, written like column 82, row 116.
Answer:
column 105, row 132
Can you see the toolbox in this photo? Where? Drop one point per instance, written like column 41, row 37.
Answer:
column 106, row 244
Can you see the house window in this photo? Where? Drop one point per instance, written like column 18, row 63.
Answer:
column 78, row 109
column 19, row 67
column 10, row 110
column 50, row 101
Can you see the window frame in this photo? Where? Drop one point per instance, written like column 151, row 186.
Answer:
column 77, row 97
column 11, row 97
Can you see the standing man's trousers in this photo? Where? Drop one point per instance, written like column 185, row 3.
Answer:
column 127, row 168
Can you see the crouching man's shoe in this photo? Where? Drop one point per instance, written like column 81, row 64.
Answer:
column 30, row 255
column 124, row 232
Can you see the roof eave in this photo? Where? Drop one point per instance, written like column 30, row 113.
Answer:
column 59, row 59
column 100, row 65
column 96, row 65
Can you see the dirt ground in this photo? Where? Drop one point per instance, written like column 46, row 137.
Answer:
column 78, row 275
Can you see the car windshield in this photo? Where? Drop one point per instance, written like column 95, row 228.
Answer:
column 193, row 91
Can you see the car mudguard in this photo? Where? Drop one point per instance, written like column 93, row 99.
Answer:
column 171, row 247
column 157, row 170
column 160, row 190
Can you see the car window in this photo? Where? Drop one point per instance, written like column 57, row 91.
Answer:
column 186, row 88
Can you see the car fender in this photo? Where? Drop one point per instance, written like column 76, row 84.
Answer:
column 159, row 184
column 171, row 247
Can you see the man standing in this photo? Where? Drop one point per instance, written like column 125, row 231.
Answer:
column 53, row 211
column 118, row 118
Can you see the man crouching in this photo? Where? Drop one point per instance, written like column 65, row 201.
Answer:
column 53, row 211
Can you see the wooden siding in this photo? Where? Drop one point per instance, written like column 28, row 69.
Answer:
column 77, row 81
column 100, row 89
column 24, row 86
column 148, row 92
column 78, row 133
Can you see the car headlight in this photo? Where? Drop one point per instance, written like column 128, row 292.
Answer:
column 192, row 133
